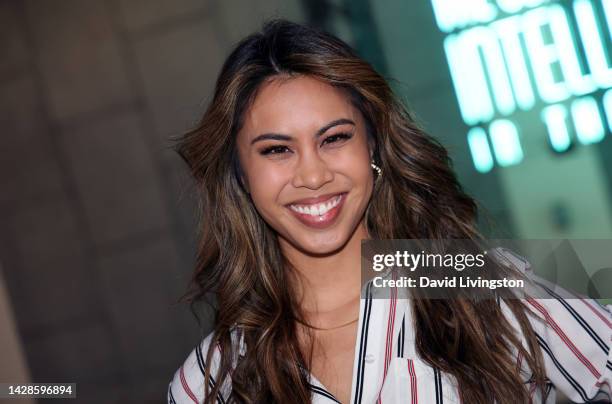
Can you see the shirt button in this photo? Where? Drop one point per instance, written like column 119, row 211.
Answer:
column 369, row 358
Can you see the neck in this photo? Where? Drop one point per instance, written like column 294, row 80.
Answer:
column 324, row 284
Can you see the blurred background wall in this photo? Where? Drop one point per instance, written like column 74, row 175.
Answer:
column 97, row 236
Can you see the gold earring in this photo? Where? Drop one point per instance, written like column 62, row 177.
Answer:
column 376, row 168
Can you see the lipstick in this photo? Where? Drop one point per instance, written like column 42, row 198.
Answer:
column 319, row 212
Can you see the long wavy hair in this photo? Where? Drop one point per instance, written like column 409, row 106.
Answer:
column 418, row 197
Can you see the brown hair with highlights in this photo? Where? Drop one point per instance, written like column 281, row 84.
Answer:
column 418, row 197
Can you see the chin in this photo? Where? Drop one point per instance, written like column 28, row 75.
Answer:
column 322, row 245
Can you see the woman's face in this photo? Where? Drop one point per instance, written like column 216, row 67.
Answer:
column 306, row 162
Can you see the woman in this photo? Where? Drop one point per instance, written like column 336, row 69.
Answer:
column 304, row 152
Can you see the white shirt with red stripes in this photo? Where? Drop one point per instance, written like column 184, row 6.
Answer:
column 575, row 336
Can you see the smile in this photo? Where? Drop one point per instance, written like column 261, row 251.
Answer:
column 317, row 209
column 319, row 215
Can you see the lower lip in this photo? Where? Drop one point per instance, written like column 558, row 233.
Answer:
column 323, row 221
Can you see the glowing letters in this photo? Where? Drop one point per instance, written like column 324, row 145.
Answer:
column 511, row 56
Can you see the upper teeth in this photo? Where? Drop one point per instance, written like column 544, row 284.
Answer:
column 318, row 208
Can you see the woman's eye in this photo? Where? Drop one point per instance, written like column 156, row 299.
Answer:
column 337, row 138
column 273, row 150
column 281, row 149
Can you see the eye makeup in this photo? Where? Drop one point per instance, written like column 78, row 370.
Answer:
column 331, row 139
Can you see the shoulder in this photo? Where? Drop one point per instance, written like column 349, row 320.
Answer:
column 188, row 383
column 558, row 311
column 574, row 334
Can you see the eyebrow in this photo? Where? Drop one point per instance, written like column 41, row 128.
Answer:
column 280, row 136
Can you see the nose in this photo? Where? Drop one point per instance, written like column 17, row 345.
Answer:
column 312, row 172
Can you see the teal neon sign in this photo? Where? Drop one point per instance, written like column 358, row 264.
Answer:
column 510, row 57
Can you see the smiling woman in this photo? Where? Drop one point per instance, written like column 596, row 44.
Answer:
column 303, row 153
column 317, row 173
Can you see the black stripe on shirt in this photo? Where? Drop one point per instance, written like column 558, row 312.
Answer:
column 549, row 387
column 438, row 385
column 211, row 380
column 601, row 306
column 322, row 392
column 401, row 338
column 170, row 396
column 367, row 309
column 607, row 396
column 562, row 370
column 579, row 319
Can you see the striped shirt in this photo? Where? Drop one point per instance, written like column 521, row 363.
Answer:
column 574, row 335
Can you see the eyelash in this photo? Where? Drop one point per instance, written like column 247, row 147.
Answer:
column 341, row 136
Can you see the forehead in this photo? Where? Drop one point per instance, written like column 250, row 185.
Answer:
column 288, row 105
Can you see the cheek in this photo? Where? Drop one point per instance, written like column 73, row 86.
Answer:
column 266, row 183
column 355, row 163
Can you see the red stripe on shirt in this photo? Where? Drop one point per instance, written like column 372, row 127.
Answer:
column 597, row 313
column 564, row 337
column 390, row 329
column 186, row 387
column 413, row 382
column 390, row 323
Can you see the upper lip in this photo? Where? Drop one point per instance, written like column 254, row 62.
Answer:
column 316, row 199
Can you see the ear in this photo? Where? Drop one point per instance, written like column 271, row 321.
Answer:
column 371, row 146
